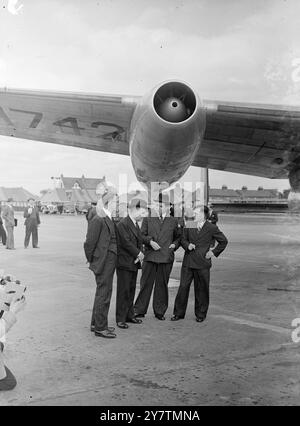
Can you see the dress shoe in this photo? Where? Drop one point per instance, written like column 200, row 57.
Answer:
column 105, row 333
column 134, row 321
column 200, row 319
column 160, row 317
column 122, row 325
column 176, row 318
column 36, row 247
column 139, row 316
column 112, row 329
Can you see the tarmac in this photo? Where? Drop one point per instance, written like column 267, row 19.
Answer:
column 243, row 354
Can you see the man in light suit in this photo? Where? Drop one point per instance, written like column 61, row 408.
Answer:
column 2, row 231
column 8, row 216
column 32, row 221
column 162, row 234
column 196, row 240
column 101, row 252
column 130, row 257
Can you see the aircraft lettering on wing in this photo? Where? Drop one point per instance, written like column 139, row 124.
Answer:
column 110, row 131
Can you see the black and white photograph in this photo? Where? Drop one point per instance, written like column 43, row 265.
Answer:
column 149, row 205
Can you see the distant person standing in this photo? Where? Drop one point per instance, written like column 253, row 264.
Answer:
column 60, row 208
column 2, row 230
column 213, row 218
column 8, row 216
column 32, row 221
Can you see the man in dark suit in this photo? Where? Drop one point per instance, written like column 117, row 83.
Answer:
column 32, row 221
column 101, row 252
column 130, row 257
column 196, row 240
column 162, row 234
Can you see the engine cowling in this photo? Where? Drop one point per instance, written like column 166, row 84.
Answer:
column 166, row 131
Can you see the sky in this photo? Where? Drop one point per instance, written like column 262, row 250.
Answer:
column 234, row 50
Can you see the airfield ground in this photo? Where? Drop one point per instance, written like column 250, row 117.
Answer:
column 243, row 354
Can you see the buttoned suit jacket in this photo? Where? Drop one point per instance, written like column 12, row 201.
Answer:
column 164, row 233
column 8, row 215
column 202, row 239
column 130, row 244
column 32, row 218
column 97, row 241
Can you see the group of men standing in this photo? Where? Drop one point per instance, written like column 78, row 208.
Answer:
column 125, row 247
column 32, row 221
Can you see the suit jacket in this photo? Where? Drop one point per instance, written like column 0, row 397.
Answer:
column 130, row 244
column 163, row 233
column 202, row 239
column 8, row 216
column 32, row 218
column 97, row 242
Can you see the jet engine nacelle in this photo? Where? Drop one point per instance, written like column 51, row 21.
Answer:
column 166, row 131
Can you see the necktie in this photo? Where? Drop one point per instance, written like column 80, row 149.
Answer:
column 137, row 226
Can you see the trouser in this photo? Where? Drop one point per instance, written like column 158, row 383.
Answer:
column 159, row 274
column 104, row 283
column 31, row 230
column 201, row 289
column 10, row 237
column 2, row 235
column 126, row 285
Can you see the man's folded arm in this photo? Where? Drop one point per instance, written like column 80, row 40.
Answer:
column 222, row 242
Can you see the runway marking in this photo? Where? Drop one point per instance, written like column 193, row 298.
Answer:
column 254, row 324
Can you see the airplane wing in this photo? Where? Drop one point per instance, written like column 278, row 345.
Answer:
column 259, row 140
column 97, row 122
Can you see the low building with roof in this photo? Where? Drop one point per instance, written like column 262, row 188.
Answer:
column 245, row 199
column 19, row 195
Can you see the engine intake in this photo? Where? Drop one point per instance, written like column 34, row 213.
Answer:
column 174, row 102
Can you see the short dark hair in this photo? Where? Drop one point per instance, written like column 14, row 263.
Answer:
column 30, row 199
